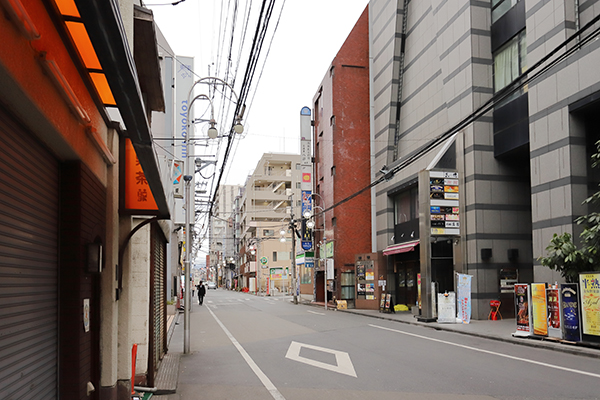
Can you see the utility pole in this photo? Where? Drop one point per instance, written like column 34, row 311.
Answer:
column 293, row 227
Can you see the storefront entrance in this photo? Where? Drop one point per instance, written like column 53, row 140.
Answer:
column 406, row 279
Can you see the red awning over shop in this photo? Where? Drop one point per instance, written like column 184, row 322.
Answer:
column 400, row 248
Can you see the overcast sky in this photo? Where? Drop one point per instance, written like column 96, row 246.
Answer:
column 309, row 35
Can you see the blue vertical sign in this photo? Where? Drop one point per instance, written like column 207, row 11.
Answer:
column 306, row 166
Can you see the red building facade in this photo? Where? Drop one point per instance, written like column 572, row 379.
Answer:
column 342, row 160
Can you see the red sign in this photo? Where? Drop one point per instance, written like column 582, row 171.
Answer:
column 138, row 195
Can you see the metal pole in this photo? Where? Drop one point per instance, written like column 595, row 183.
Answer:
column 325, row 268
column 294, row 283
column 293, row 226
column 186, row 275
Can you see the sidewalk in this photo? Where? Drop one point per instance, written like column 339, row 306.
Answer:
column 501, row 330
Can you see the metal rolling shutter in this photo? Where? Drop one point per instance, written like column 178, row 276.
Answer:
column 29, row 183
column 158, row 329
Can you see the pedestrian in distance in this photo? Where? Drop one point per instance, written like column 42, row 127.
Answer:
column 201, row 292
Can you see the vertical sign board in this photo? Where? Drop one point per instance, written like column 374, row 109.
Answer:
column 178, row 179
column 138, row 195
column 554, row 319
column 184, row 80
column 589, row 286
column 539, row 309
column 443, row 195
column 463, row 287
column 522, row 309
column 306, row 169
column 569, row 305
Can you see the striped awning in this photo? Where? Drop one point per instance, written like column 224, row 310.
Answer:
column 400, row 248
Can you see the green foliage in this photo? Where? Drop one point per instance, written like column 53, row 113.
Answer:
column 564, row 256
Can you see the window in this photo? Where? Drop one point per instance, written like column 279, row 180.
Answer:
column 332, row 120
column 501, row 7
column 510, row 61
column 305, row 274
column 268, row 232
column 298, row 185
column 298, row 166
column 333, row 171
column 274, row 256
column 406, row 206
column 334, row 221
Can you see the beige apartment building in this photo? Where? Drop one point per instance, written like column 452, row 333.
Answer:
column 271, row 197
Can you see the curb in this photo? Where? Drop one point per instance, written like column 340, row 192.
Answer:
column 530, row 341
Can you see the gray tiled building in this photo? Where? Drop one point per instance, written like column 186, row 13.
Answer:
column 522, row 162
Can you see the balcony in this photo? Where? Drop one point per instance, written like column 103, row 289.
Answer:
column 277, row 192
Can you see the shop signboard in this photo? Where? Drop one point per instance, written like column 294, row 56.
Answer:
column 463, row 286
column 569, row 304
column 446, row 308
column 276, row 273
column 306, row 208
column 589, row 286
column 444, row 203
column 522, row 308
column 539, row 309
column 554, row 320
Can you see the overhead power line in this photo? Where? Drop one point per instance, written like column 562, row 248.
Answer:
column 533, row 73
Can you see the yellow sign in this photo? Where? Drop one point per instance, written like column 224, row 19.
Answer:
column 589, row 285
column 539, row 309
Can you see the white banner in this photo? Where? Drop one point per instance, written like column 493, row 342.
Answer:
column 463, row 287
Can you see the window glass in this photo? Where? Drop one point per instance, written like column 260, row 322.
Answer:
column 501, row 7
column 510, row 61
column 268, row 232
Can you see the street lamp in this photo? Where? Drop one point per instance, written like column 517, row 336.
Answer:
column 189, row 201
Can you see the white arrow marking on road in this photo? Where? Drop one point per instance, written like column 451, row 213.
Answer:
column 344, row 364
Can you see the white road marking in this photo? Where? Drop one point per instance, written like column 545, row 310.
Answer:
column 314, row 312
column 543, row 364
column 344, row 364
column 257, row 371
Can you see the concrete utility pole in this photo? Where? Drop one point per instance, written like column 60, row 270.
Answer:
column 293, row 227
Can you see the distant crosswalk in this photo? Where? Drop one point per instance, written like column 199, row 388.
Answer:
column 232, row 301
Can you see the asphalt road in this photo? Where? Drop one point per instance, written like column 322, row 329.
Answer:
column 249, row 347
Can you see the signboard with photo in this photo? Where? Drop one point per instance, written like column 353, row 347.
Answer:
column 522, row 308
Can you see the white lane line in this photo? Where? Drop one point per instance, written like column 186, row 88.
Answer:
column 314, row 312
column 575, row 371
column 257, row 371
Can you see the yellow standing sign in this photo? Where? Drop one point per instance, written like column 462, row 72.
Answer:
column 589, row 285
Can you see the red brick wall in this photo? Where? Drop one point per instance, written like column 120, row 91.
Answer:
column 345, row 144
